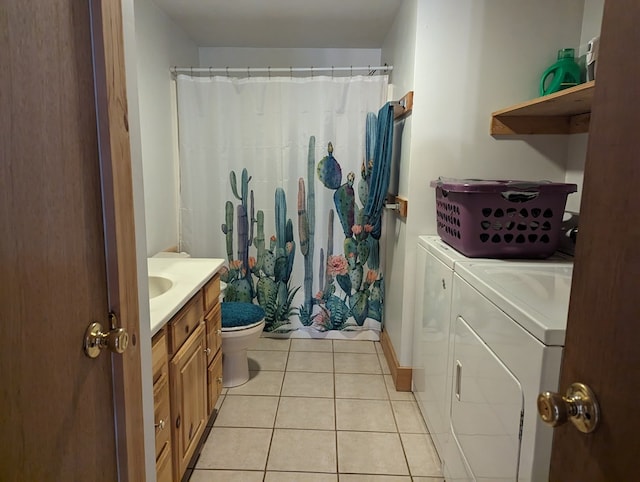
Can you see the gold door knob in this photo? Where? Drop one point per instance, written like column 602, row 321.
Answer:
column 95, row 340
column 160, row 425
column 578, row 405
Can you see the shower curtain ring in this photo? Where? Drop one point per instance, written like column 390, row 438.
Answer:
column 191, row 68
column 227, row 69
column 248, row 72
column 312, row 71
column 291, row 72
column 351, row 71
column 332, row 71
column 210, row 73
column 269, row 71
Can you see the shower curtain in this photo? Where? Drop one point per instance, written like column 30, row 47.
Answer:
column 274, row 177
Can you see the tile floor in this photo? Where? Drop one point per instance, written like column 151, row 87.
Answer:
column 317, row 410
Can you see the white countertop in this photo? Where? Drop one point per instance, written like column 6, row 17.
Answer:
column 188, row 275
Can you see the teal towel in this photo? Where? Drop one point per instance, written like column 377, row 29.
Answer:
column 236, row 314
column 381, row 171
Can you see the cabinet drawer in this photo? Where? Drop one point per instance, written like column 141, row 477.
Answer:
column 162, row 412
column 159, row 357
column 214, row 332
column 211, row 293
column 185, row 322
column 214, row 382
column 164, row 465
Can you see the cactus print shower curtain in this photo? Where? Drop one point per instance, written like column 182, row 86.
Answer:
column 274, row 178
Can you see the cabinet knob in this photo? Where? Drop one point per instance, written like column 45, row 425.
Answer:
column 160, row 425
column 207, row 351
column 218, row 332
column 219, row 380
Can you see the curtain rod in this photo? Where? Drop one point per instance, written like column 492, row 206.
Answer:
column 270, row 70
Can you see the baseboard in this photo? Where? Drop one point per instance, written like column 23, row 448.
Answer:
column 401, row 375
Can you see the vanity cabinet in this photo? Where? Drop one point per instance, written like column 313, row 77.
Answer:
column 187, row 379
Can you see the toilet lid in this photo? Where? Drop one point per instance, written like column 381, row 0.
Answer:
column 240, row 315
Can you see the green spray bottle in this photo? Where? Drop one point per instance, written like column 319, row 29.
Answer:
column 565, row 72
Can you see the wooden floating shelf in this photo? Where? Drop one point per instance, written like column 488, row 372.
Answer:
column 565, row 112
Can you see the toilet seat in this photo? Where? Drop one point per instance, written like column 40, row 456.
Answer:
column 240, row 316
column 240, row 328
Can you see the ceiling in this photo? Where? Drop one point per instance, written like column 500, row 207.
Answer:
column 284, row 23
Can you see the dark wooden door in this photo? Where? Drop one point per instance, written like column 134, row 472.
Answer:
column 603, row 333
column 57, row 412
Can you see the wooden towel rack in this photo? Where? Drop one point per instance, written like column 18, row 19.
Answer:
column 404, row 106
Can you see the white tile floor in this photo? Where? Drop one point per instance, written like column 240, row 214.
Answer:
column 317, row 410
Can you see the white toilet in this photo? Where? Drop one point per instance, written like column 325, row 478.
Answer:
column 242, row 324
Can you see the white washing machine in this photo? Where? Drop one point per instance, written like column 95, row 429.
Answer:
column 470, row 397
column 431, row 383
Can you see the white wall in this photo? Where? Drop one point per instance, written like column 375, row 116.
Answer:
column 241, row 57
column 474, row 57
column 399, row 50
column 591, row 23
column 160, row 45
column 575, row 168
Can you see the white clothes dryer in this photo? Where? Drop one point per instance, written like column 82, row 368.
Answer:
column 434, row 366
column 506, row 342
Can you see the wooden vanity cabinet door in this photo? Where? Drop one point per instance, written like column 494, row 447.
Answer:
column 213, row 321
column 162, row 413
column 164, row 467
column 214, row 332
column 188, row 380
column 161, row 406
column 214, row 382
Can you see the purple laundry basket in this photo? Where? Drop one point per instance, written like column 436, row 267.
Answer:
column 501, row 219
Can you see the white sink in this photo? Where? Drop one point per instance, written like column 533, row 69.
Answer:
column 158, row 285
column 172, row 282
